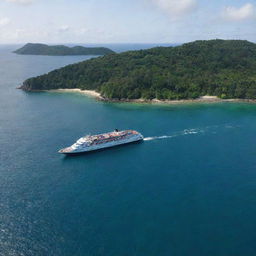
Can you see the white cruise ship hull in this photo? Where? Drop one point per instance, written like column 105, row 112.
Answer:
column 135, row 138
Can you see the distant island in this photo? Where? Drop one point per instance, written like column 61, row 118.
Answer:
column 223, row 68
column 61, row 50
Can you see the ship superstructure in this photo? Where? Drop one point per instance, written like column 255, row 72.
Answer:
column 105, row 140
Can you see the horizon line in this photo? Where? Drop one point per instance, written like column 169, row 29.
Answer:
column 138, row 43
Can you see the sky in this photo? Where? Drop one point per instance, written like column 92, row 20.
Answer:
column 125, row 21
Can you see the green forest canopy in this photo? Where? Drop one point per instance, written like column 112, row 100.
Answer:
column 61, row 50
column 224, row 68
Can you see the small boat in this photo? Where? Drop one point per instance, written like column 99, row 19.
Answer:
column 100, row 141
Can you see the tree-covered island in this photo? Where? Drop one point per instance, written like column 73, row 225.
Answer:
column 224, row 68
column 61, row 50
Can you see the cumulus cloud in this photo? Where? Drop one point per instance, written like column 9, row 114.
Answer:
column 176, row 8
column 64, row 28
column 84, row 31
column 4, row 21
column 23, row 2
column 245, row 12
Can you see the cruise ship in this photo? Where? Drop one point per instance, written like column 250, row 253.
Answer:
column 105, row 140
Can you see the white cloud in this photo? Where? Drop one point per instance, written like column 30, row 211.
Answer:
column 83, row 31
column 245, row 12
column 23, row 2
column 64, row 28
column 4, row 21
column 176, row 8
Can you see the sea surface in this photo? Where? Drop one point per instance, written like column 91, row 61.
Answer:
column 188, row 189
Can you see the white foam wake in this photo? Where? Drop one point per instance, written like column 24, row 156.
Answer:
column 158, row 137
column 208, row 129
column 184, row 132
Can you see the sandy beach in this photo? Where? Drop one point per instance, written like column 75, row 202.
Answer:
column 202, row 99
column 90, row 93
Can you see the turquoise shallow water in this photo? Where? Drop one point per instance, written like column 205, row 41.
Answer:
column 188, row 189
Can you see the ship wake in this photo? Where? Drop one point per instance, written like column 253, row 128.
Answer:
column 186, row 132
column 181, row 133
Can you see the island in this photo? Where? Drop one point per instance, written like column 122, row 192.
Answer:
column 61, row 50
column 222, row 68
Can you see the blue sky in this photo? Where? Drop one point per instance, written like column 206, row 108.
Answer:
column 123, row 21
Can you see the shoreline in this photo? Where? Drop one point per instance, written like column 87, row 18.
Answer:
column 90, row 93
column 97, row 95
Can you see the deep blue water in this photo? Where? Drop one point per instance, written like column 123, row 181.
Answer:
column 189, row 189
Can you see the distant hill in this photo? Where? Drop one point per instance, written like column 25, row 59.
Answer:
column 224, row 68
column 61, row 50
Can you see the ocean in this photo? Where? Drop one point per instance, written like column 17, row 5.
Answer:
column 188, row 189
